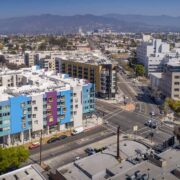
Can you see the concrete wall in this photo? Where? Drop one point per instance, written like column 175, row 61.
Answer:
column 37, row 110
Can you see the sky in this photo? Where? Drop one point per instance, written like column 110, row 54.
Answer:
column 14, row 8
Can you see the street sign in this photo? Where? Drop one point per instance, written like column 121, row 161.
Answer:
column 135, row 128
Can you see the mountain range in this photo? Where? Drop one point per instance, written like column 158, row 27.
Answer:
column 48, row 23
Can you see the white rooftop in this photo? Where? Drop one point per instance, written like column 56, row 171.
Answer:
column 37, row 82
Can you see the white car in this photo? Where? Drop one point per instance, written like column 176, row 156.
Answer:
column 77, row 158
column 77, row 131
column 152, row 113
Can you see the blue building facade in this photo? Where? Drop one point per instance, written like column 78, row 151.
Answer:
column 16, row 113
column 88, row 98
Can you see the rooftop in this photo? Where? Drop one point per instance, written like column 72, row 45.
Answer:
column 32, row 172
column 104, row 166
column 37, row 82
column 90, row 57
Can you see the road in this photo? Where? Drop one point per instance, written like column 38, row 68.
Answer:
column 126, row 120
column 137, row 93
column 71, row 143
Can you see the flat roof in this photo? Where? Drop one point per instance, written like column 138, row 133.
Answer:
column 147, row 169
column 37, row 82
column 31, row 172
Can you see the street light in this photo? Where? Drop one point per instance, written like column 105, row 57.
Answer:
column 40, row 152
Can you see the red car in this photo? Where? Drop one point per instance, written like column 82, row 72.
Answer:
column 34, row 145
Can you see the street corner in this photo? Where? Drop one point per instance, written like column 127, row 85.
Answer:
column 128, row 107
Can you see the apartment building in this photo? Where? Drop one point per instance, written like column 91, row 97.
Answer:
column 44, row 101
column 167, row 82
column 171, row 81
column 90, row 65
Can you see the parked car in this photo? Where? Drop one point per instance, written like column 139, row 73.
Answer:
column 77, row 131
column 90, row 151
column 34, row 145
column 54, row 139
column 100, row 149
column 62, row 137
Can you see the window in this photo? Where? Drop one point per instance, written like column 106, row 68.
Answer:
column 29, row 109
column 36, row 122
column 176, row 89
column 76, row 106
column 49, row 106
column 29, row 115
column 176, row 77
column 176, row 83
column 29, row 102
column 23, row 118
column 34, row 115
column 75, row 112
column 50, row 99
column 23, row 125
column 35, row 108
column 6, row 107
column 33, row 102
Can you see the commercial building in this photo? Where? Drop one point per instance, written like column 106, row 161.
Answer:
column 138, row 164
column 32, row 172
column 33, row 100
column 90, row 65
column 151, row 53
column 168, row 82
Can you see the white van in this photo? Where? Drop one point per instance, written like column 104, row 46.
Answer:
column 77, row 130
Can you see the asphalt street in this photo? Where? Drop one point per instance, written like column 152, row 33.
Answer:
column 71, row 143
column 126, row 120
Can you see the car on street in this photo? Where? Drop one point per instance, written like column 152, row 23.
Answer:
column 161, row 112
column 90, row 151
column 62, row 137
column 34, row 145
column 152, row 113
column 77, row 131
column 151, row 123
column 53, row 139
column 77, row 158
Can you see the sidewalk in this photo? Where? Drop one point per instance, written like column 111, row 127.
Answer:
column 93, row 122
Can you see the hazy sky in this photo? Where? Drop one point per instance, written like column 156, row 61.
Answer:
column 12, row 8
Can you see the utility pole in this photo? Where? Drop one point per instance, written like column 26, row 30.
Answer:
column 40, row 153
column 118, row 144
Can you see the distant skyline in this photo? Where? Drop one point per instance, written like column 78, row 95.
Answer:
column 15, row 8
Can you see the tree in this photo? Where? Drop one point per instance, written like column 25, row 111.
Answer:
column 139, row 69
column 42, row 47
column 11, row 158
